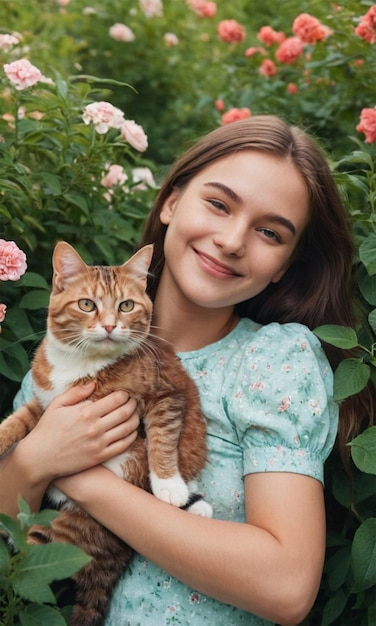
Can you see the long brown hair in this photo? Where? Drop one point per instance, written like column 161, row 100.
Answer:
column 317, row 288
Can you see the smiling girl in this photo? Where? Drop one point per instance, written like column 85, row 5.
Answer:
column 252, row 249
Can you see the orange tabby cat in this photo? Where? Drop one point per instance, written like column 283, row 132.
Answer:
column 98, row 328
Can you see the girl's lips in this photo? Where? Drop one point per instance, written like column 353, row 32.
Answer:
column 214, row 267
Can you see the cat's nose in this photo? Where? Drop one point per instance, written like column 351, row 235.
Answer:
column 109, row 328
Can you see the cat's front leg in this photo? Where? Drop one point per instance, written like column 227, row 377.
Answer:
column 19, row 424
column 172, row 489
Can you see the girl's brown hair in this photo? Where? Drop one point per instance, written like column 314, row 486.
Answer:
column 317, row 288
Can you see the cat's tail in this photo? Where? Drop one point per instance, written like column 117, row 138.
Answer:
column 94, row 583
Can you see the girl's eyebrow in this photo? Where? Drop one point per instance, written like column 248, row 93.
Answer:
column 226, row 190
column 230, row 193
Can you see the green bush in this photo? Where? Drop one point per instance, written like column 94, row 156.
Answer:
column 52, row 166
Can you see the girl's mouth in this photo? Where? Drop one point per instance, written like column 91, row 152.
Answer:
column 214, row 267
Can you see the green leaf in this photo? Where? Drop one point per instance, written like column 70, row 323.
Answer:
column 339, row 336
column 363, row 555
column 367, row 285
column 37, row 615
column 350, row 377
column 53, row 182
column 367, row 253
column 31, row 279
column 36, row 299
column 12, row 529
column 363, row 450
column 372, row 320
column 334, row 607
column 43, row 564
column 4, row 557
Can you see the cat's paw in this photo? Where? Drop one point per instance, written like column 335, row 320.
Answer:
column 201, row 508
column 172, row 490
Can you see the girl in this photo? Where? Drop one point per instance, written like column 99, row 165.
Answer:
column 251, row 250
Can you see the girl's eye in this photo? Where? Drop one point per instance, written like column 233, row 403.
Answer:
column 126, row 306
column 86, row 305
column 270, row 234
column 217, row 204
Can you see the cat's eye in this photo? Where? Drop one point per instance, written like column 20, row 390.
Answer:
column 126, row 306
column 86, row 305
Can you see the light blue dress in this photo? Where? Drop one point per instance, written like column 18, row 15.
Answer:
column 267, row 393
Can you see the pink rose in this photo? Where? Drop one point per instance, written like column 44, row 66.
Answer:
column 22, row 73
column 203, row 8
column 7, row 41
column 309, row 29
column 267, row 68
column 170, row 39
column 367, row 124
column 231, row 31
column 367, row 26
column 121, row 32
column 254, row 50
column 292, row 88
column 134, row 134
column 233, row 115
column 3, row 309
column 268, row 35
column 103, row 115
column 219, row 105
column 115, row 176
column 289, row 50
column 12, row 261
column 143, row 177
column 152, row 8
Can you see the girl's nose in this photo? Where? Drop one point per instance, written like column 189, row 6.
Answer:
column 231, row 241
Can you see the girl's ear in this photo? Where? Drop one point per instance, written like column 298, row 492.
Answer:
column 168, row 208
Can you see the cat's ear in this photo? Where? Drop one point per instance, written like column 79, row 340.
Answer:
column 67, row 263
column 139, row 263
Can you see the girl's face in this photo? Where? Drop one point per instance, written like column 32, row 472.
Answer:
column 233, row 229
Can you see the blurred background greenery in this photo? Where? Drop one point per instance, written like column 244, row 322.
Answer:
column 177, row 88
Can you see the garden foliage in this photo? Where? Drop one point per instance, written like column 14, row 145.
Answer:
column 171, row 71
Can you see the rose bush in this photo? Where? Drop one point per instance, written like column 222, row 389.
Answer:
column 79, row 157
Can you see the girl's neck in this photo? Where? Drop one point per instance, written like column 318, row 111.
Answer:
column 187, row 330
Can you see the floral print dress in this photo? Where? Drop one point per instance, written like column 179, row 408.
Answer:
column 267, row 393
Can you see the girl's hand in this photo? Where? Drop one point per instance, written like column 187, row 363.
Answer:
column 75, row 433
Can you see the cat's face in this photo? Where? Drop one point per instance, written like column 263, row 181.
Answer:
column 97, row 310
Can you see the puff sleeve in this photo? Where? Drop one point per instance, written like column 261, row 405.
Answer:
column 280, row 401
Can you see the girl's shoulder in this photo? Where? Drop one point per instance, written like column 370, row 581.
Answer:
column 276, row 340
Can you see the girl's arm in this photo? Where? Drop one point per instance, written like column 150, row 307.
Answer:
column 72, row 435
column 270, row 566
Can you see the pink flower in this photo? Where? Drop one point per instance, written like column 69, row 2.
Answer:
column 292, row 88
column 22, row 73
column 367, row 124
column 231, row 31
column 115, row 176
column 3, row 309
column 12, row 261
column 121, row 32
column 152, row 8
column 7, row 41
column 254, row 50
column 143, row 177
column 268, row 35
column 289, row 50
column 134, row 134
column 309, row 29
column 267, row 68
column 367, row 26
column 103, row 115
column 203, row 8
column 219, row 105
column 233, row 115
column 170, row 39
